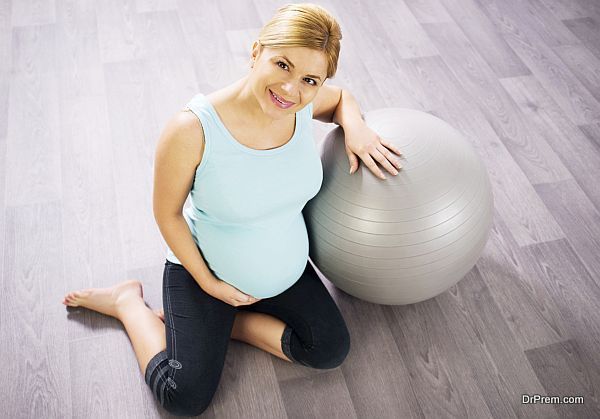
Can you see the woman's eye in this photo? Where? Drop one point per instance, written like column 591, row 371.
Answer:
column 314, row 83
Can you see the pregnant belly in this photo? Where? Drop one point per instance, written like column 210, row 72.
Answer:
column 262, row 261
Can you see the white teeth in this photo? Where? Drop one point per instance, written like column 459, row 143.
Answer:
column 275, row 96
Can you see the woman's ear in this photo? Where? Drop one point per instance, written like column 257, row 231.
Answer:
column 256, row 49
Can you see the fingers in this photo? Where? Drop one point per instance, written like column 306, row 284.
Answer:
column 382, row 160
column 391, row 146
column 241, row 296
column 390, row 157
column 243, row 299
column 373, row 166
column 384, row 148
column 384, row 157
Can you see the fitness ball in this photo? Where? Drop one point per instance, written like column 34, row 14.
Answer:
column 409, row 237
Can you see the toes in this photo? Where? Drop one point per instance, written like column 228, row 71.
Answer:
column 70, row 299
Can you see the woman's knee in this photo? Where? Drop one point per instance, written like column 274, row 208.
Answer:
column 331, row 352
column 187, row 410
column 191, row 402
column 184, row 393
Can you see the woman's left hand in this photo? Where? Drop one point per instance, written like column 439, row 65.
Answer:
column 363, row 142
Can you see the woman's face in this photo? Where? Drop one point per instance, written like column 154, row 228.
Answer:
column 293, row 74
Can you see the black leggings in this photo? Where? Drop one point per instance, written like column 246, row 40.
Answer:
column 198, row 326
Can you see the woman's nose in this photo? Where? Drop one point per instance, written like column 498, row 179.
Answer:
column 290, row 89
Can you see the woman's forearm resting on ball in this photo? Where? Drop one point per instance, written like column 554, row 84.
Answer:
column 178, row 236
column 347, row 114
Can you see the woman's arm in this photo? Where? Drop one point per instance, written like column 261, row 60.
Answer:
column 178, row 236
column 178, row 154
column 361, row 141
column 347, row 113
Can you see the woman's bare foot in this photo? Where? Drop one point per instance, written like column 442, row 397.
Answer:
column 106, row 300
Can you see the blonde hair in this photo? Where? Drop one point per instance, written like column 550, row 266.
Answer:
column 304, row 25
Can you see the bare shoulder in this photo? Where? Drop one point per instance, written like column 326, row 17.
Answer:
column 185, row 135
column 178, row 154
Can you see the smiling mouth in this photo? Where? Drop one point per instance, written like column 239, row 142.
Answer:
column 280, row 99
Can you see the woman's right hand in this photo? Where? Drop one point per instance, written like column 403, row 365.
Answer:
column 229, row 294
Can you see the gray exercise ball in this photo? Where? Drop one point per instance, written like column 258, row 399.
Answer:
column 409, row 237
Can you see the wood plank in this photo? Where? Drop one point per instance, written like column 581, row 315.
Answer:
column 5, row 69
column 590, row 7
column 428, row 11
column 144, row 6
column 566, row 139
column 133, row 142
column 360, row 66
column 587, row 31
column 101, row 384
column 32, row 13
column 91, row 229
column 565, row 9
column 485, row 38
column 548, row 68
column 495, row 359
column 5, row 63
column 4, row 243
column 542, row 25
column 238, row 17
column 168, row 67
column 584, row 65
column 311, row 397
column 574, row 291
column 117, row 36
column 438, row 366
column 527, row 306
column 592, row 132
column 33, row 328
column 33, row 144
column 578, row 218
column 406, row 35
column 213, row 64
column 525, row 144
column 78, row 58
column 576, row 294
column 249, row 384
column 564, row 372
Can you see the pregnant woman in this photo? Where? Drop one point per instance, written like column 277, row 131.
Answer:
column 237, row 258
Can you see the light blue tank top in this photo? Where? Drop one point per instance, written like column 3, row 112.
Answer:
column 246, row 204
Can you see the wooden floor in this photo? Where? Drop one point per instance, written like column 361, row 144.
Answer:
column 85, row 89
